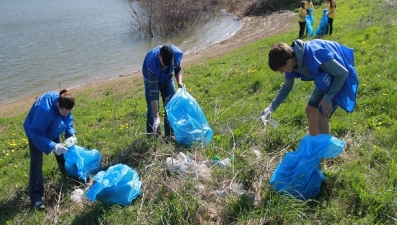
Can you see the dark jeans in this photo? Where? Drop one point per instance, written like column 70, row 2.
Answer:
column 36, row 182
column 302, row 26
column 329, row 26
column 167, row 90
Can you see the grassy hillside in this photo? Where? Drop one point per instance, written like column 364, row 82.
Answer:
column 232, row 91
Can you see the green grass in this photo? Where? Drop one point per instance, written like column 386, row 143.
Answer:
column 232, row 91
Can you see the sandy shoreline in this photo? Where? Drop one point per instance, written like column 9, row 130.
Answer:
column 253, row 29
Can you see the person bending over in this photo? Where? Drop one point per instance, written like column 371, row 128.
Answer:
column 330, row 65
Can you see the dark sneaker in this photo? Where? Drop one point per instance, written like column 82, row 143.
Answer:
column 39, row 205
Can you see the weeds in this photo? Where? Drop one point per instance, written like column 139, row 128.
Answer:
column 232, row 91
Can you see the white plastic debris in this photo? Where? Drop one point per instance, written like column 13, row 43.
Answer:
column 272, row 122
column 78, row 195
column 184, row 165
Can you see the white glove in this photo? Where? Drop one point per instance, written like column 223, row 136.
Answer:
column 266, row 117
column 69, row 142
column 59, row 149
column 266, row 114
column 157, row 125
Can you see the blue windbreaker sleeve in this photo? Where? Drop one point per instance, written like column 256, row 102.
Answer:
column 69, row 129
column 283, row 93
column 40, row 122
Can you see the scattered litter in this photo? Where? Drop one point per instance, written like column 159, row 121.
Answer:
column 183, row 165
column 216, row 161
column 272, row 122
column 78, row 195
column 221, row 193
column 238, row 188
column 257, row 153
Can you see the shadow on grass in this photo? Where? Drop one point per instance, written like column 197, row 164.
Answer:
column 17, row 208
column 13, row 205
column 238, row 207
column 92, row 215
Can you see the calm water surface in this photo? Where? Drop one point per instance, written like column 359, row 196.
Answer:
column 45, row 44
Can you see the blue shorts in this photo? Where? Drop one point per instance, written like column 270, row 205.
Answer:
column 315, row 99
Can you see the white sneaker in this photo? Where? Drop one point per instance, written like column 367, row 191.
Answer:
column 39, row 205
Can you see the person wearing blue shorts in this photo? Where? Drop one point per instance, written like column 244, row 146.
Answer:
column 330, row 65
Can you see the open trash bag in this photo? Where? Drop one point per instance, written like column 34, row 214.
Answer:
column 81, row 163
column 309, row 22
column 119, row 184
column 298, row 173
column 187, row 119
column 322, row 27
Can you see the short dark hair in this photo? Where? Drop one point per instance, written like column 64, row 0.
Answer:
column 167, row 55
column 279, row 54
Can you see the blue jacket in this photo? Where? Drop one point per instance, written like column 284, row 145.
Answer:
column 44, row 122
column 316, row 53
column 152, row 63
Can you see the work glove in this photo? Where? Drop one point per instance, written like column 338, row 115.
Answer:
column 157, row 125
column 266, row 114
column 59, row 149
column 69, row 142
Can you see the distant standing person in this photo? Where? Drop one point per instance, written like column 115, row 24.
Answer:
column 326, row 5
column 308, row 5
column 331, row 15
column 302, row 19
column 49, row 117
column 309, row 11
column 158, row 67
column 330, row 65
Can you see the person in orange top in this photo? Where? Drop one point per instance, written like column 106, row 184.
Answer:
column 331, row 15
column 301, row 19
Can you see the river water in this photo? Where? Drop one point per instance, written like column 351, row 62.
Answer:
column 45, row 44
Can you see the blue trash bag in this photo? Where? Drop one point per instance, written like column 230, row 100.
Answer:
column 309, row 22
column 310, row 16
column 298, row 173
column 81, row 162
column 322, row 27
column 187, row 119
column 119, row 184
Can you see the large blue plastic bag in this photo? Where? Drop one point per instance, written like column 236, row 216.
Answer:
column 322, row 27
column 187, row 119
column 309, row 22
column 119, row 184
column 81, row 162
column 298, row 173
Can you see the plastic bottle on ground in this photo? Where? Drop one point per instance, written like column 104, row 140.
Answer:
column 272, row 122
column 221, row 163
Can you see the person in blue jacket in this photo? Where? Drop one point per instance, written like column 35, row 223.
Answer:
column 158, row 67
column 330, row 65
column 49, row 117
